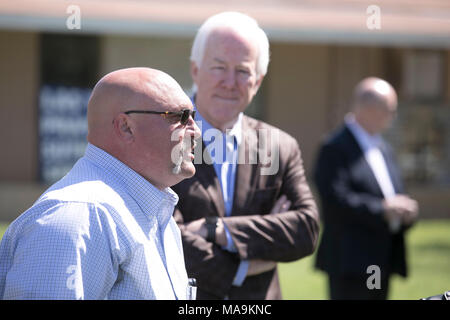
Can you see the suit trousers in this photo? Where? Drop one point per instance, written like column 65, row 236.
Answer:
column 355, row 288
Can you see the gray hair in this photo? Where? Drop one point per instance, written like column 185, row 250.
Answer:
column 240, row 23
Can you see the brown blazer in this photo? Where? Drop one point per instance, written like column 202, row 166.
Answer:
column 280, row 237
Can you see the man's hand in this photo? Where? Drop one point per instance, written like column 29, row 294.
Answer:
column 401, row 208
column 258, row 266
column 412, row 214
column 281, row 205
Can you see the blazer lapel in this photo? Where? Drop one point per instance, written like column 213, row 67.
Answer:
column 247, row 160
column 357, row 153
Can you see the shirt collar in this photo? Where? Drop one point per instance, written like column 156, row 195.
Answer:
column 151, row 200
column 365, row 139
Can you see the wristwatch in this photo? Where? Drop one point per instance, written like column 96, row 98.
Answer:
column 211, row 225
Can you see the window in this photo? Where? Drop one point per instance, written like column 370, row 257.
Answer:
column 69, row 69
column 421, row 132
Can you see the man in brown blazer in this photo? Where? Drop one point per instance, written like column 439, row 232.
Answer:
column 249, row 205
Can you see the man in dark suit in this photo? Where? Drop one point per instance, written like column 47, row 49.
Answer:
column 249, row 205
column 365, row 211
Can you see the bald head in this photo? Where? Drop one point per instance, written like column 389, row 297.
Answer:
column 143, row 141
column 374, row 92
column 374, row 104
column 125, row 89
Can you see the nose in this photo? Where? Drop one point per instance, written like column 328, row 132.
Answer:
column 229, row 80
column 193, row 129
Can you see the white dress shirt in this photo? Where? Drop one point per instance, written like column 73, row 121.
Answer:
column 370, row 146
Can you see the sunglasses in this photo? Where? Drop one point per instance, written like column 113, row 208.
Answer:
column 183, row 114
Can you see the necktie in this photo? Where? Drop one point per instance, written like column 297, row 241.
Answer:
column 226, row 172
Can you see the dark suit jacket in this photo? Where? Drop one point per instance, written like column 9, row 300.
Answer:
column 280, row 237
column 355, row 234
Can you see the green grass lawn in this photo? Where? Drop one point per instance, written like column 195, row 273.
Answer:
column 429, row 267
column 3, row 227
column 428, row 254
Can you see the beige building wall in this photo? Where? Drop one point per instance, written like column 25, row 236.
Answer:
column 349, row 65
column 310, row 87
column 170, row 55
column 296, row 102
column 447, row 79
column 19, row 80
column 306, row 93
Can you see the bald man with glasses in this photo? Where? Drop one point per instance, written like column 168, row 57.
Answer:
column 105, row 230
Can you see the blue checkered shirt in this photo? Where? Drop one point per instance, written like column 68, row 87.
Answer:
column 101, row 232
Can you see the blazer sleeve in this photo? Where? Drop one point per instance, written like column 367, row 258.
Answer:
column 212, row 267
column 339, row 196
column 283, row 236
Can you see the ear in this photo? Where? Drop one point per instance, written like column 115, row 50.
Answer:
column 123, row 128
column 258, row 83
column 194, row 71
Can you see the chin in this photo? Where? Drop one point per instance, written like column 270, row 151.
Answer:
column 226, row 110
column 188, row 172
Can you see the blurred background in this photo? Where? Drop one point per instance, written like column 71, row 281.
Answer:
column 52, row 52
